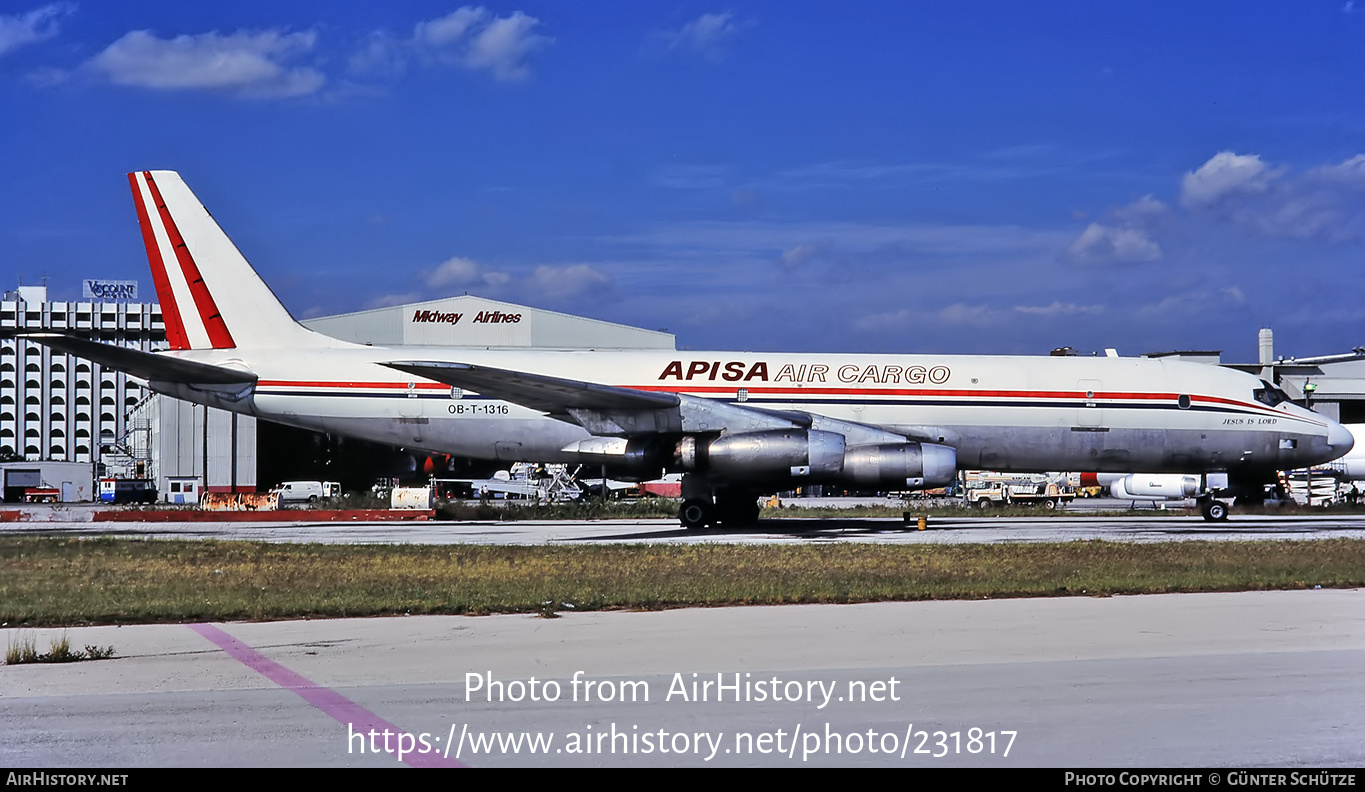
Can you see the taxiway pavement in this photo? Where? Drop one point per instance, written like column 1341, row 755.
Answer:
column 1202, row 680
column 1140, row 527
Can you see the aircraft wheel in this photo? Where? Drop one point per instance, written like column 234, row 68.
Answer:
column 739, row 509
column 695, row 514
column 742, row 514
column 1214, row 511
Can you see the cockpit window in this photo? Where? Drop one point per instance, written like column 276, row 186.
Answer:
column 1270, row 395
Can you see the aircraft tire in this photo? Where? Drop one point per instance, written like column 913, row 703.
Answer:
column 736, row 509
column 1213, row 510
column 695, row 514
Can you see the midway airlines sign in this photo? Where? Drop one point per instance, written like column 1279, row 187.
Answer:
column 484, row 317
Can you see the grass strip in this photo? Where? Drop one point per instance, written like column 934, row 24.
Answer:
column 663, row 508
column 53, row 581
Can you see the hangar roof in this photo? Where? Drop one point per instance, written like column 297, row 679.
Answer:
column 478, row 322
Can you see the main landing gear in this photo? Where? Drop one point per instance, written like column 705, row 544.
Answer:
column 706, row 506
column 696, row 514
column 1213, row 510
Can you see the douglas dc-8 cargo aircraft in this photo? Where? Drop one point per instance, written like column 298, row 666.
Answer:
column 736, row 425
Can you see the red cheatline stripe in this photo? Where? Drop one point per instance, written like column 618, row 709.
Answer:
column 850, row 391
column 217, row 329
column 170, row 314
column 337, row 706
column 815, row 393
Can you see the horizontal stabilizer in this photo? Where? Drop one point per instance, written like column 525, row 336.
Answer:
column 536, row 391
column 149, row 366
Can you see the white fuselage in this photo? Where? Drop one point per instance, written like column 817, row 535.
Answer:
column 998, row 412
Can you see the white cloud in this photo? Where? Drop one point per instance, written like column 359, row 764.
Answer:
column 547, row 282
column 245, row 63
column 460, row 271
column 964, row 314
column 758, row 239
column 706, row 35
column 794, row 257
column 1127, row 237
column 41, row 23
column 1194, row 303
column 449, row 29
column 568, row 281
column 1324, row 203
column 1060, row 309
column 1106, row 243
column 1225, row 174
column 1351, row 172
column 886, row 322
column 390, row 300
column 475, row 39
column 503, row 46
column 1143, row 209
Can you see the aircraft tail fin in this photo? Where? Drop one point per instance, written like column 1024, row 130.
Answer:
column 210, row 296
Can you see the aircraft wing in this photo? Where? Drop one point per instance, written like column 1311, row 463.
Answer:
column 553, row 395
column 145, row 365
column 612, row 410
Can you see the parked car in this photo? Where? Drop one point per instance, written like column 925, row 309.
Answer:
column 307, row 491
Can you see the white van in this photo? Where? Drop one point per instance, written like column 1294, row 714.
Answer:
column 307, row 491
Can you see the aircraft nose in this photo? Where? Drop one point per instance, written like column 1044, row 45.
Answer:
column 1340, row 438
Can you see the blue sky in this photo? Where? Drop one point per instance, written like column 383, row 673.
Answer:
column 878, row 177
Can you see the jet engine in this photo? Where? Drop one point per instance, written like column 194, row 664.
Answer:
column 776, row 454
column 816, row 455
column 900, row 466
column 780, row 456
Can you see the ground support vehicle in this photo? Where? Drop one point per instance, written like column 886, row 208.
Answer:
column 1020, row 493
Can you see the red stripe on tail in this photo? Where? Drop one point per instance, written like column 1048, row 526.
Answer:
column 170, row 313
column 217, row 329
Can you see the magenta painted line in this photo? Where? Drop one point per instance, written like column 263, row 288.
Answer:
column 340, row 708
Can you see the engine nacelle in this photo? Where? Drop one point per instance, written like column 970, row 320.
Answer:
column 627, row 458
column 1155, row 485
column 772, row 455
column 783, row 455
column 900, row 466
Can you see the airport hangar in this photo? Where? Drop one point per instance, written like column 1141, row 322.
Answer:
column 58, row 412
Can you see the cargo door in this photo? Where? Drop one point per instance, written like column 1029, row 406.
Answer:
column 507, row 451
